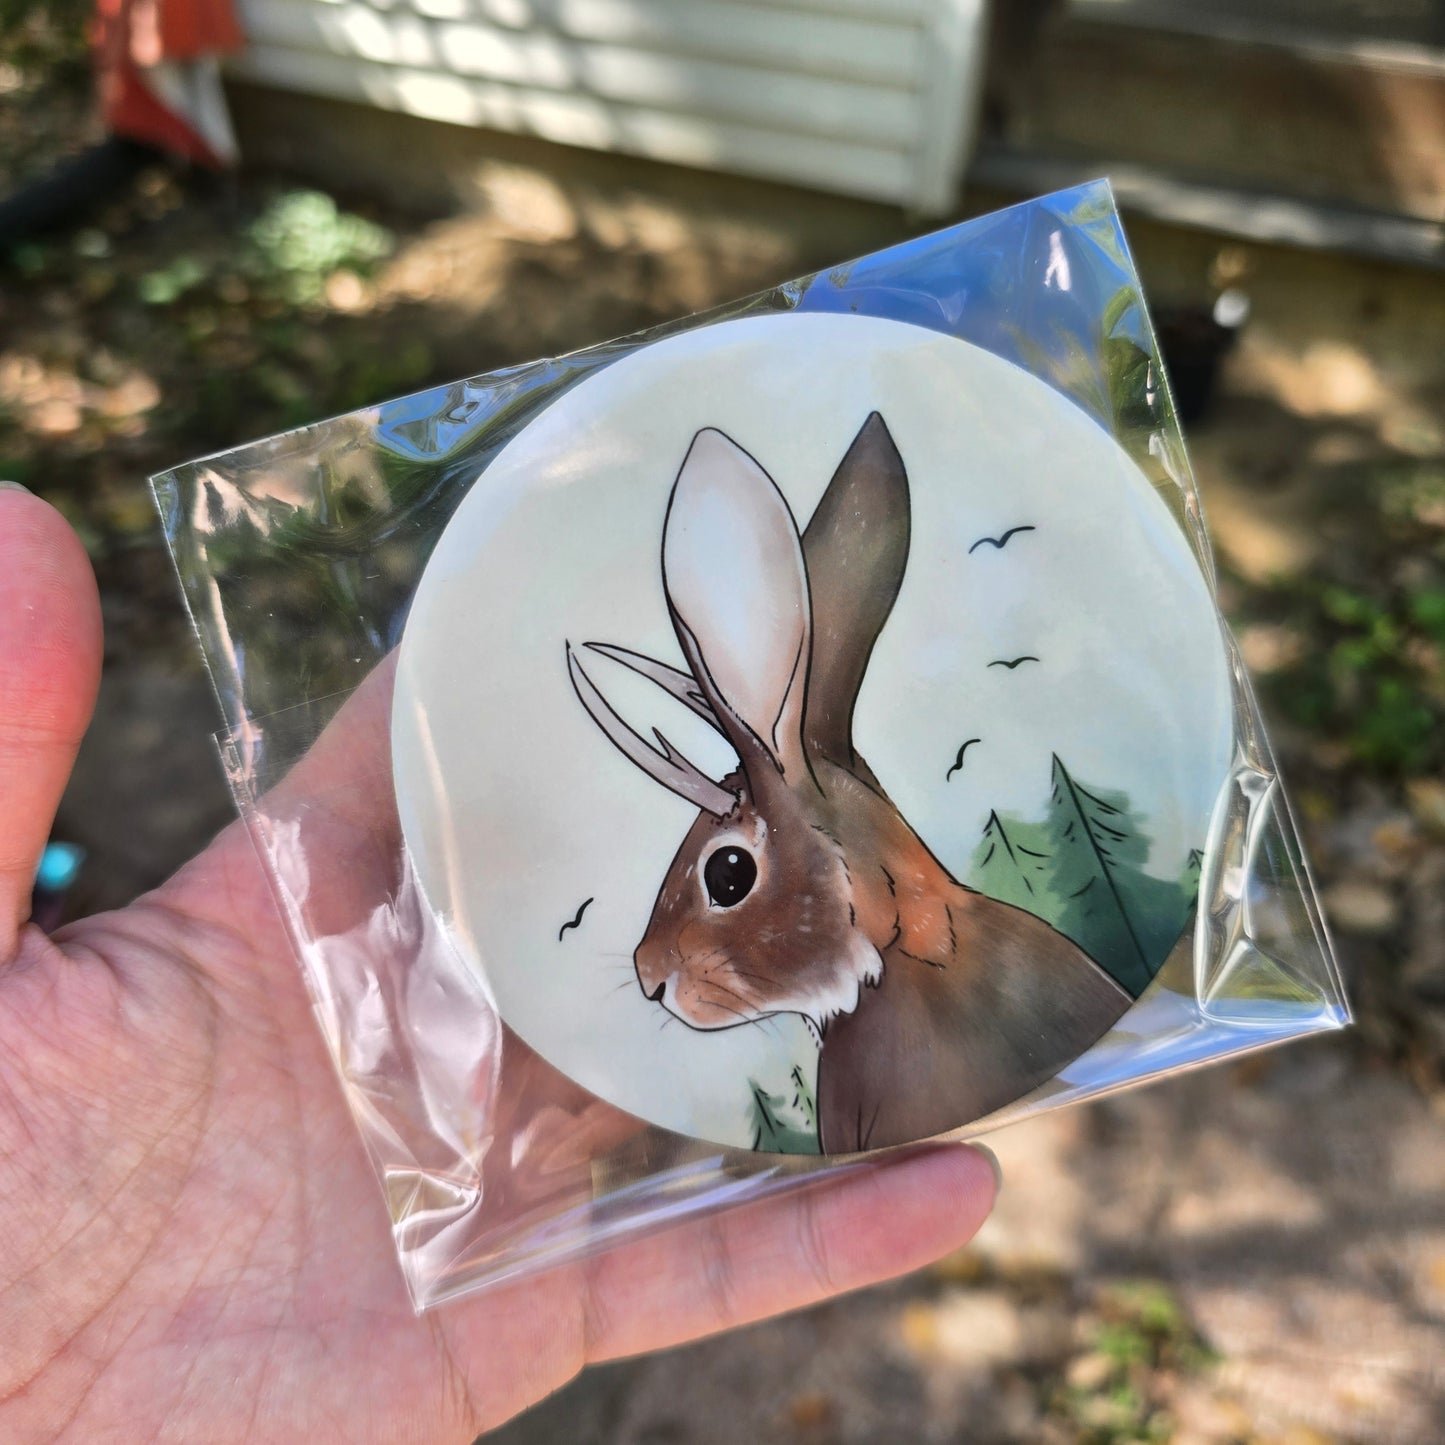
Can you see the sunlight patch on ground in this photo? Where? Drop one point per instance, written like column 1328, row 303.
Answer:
column 53, row 401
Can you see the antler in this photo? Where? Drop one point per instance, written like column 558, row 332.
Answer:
column 672, row 680
column 667, row 767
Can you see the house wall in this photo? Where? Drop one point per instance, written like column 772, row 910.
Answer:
column 869, row 98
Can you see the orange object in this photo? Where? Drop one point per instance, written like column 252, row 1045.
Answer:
column 156, row 63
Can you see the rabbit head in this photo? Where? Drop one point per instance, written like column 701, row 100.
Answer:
column 778, row 900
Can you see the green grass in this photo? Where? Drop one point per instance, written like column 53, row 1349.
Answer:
column 1138, row 1334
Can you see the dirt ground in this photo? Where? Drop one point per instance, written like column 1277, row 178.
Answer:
column 1239, row 1256
column 1252, row 1254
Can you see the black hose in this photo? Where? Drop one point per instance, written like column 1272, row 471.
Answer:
column 73, row 189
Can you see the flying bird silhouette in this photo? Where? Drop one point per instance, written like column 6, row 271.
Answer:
column 1000, row 542
column 575, row 922
column 959, row 762
column 1012, row 663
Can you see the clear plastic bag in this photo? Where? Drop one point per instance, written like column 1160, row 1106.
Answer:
column 301, row 559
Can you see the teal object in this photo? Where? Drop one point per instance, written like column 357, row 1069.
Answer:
column 60, row 865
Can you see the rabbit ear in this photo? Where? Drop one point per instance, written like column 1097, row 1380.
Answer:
column 732, row 564
column 856, row 550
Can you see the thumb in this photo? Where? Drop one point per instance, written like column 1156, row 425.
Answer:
column 50, row 647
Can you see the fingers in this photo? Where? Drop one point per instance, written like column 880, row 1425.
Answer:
column 854, row 1227
column 857, row 1227
column 50, row 650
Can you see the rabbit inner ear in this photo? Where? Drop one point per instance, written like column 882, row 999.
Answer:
column 856, row 550
column 732, row 566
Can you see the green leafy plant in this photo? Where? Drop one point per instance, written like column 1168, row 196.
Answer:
column 170, row 282
column 303, row 237
column 1375, row 679
column 1137, row 1333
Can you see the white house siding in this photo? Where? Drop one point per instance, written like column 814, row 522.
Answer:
column 873, row 98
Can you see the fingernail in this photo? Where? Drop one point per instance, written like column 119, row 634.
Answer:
column 12, row 487
column 992, row 1163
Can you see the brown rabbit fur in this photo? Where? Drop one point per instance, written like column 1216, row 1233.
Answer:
column 934, row 1005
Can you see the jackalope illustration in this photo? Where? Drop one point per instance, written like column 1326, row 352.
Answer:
column 800, row 888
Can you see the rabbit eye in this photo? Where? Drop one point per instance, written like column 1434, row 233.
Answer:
column 729, row 874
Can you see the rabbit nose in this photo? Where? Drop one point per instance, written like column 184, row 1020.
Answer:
column 654, row 966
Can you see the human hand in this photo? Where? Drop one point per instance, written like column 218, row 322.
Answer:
column 192, row 1242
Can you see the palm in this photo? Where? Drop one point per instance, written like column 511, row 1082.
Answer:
column 193, row 1243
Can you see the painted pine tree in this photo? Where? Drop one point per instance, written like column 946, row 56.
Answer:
column 1082, row 870
column 1012, row 864
column 1189, row 879
column 1098, row 856
column 1189, row 885
column 785, row 1123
